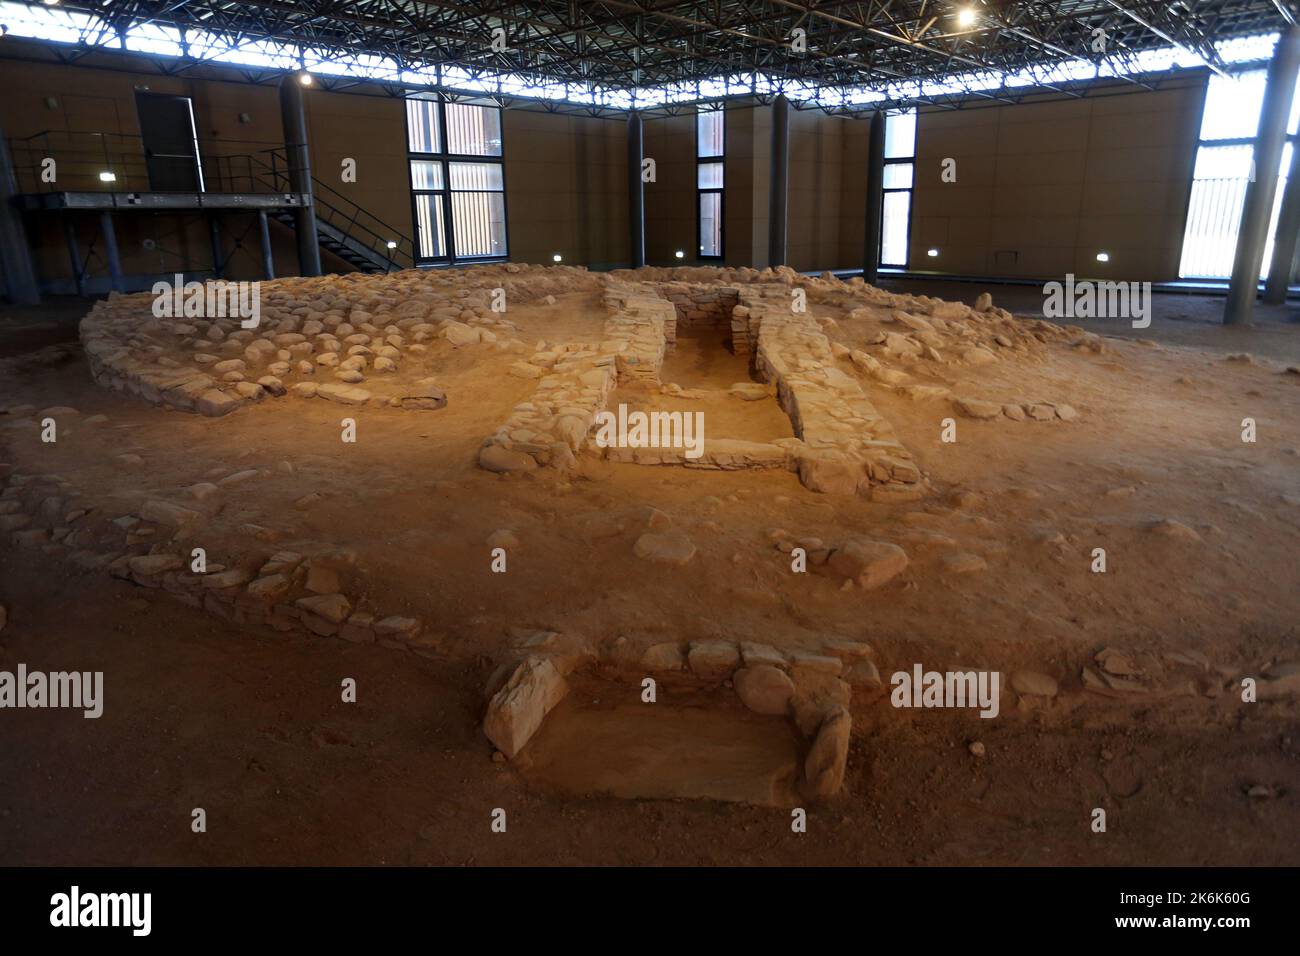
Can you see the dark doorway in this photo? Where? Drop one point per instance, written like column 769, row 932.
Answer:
column 170, row 143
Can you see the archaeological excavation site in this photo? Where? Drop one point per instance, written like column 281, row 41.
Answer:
column 406, row 471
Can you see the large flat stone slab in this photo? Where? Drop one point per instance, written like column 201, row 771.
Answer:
column 658, row 751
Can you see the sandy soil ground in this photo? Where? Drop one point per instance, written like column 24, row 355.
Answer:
column 251, row 728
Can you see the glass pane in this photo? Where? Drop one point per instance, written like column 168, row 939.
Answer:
column 710, row 224
column 1214, row 211
column 1232, row 106
column 1224, row 162
column 709, row 130
column 898, row 176
column 475, row 175
column 479, row 222
column 422, row 133
column 893, row 239
column 710, row 176
column 1293, row 124
column 900, row 135
column 473, row 130
column 1277, row 210
column 426, row 174
column 430, row 231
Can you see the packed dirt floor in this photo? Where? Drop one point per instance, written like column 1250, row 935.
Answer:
column 1201, row 533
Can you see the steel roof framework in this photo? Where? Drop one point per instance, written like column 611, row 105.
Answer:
column 611, row 52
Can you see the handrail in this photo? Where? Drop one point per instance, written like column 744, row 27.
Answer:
column 281, row 179
column 124, row 155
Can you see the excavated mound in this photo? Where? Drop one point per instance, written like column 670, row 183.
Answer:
column 359, row 340
column 618, row 571
column 314, row 337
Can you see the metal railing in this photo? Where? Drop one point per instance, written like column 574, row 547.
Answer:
column 64, row 161
column 271, row 170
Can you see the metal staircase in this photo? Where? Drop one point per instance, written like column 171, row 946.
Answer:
column 344, row 229
column 233, row 180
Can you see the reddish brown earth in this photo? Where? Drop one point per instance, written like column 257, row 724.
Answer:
column 250, row 726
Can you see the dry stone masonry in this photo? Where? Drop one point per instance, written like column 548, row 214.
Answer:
column 576, row 379
column 842, row 444
column 362, row 340
column 354, row 339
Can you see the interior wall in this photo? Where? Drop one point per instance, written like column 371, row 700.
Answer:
column 1042, row 187
column 816, row 178
column 371, row 130
column 827, row 189
column 748, row 180
column 670, row 201
column 566, row 188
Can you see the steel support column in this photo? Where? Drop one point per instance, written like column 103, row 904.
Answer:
column 635, row 189
column 875, row 198
column 110, row 251
column 15, row 254
column 780, row 182
column 264, row 231
column 1280, row 267
column 74, row 254
column 1258, row 208
column 295, row 147
column 214, row 231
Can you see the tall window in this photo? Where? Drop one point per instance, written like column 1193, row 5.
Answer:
column 896, row 211
column 710, row 142
column 457, row 180
column 1225, row 159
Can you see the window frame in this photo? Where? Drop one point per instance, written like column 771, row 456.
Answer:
column 909, row 160
column 444, row 195
column 720, row 191
column 1204, row 142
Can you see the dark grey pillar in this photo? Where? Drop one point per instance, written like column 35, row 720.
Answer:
column 875, row 197
column 74, row 254
column 635, row 189
column 1259, row 193
column 264, row 230
column 110, row 251
column 15, row 254
column 295, row 148
column 214, row 231
column 1280, row 269
column 777, row 197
